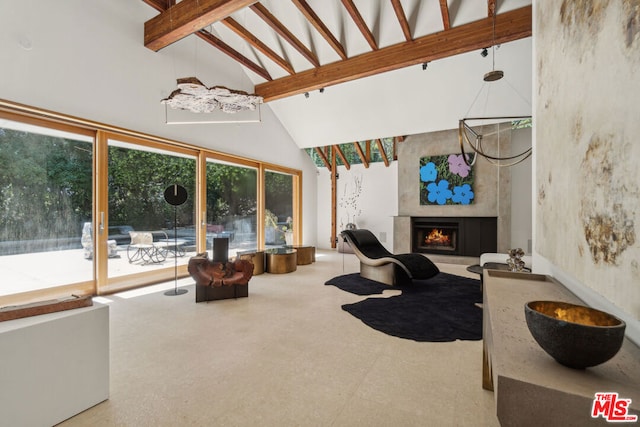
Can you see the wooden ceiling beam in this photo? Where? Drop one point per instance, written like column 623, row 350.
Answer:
column 160, row 5
column 397, row 140
column 247, row 36
column 444, row 11
column 340, row 154
column 364, row 159
column 279, row 28
column 491, row 8
column 402, row 19
column 509, row 26
column 385, row 159
column 185, row 18
column 362, row 26
column 216, row 42
column 311, row 16
column 323, row 157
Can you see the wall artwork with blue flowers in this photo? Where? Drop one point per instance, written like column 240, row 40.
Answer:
column 445, row 180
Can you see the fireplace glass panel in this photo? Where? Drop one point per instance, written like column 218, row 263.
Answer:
column 437, row 238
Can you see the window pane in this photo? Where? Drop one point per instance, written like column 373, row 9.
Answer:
column 279, row 209
column 231, row 205
column 141, row 220
column 45, row 200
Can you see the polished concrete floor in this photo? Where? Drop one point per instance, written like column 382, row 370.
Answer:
column 287, row 355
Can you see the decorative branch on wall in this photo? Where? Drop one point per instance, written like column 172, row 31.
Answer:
column 446, row 180
column 193, row 96
column 349, row 201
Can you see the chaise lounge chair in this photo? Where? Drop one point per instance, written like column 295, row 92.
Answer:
column 377, row 263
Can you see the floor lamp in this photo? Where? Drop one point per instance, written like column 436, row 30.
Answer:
column 175, row 195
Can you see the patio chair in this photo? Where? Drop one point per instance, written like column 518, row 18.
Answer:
column 142, row 248
column 377, row 263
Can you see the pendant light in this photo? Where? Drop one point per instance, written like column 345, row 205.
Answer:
column 494, row 74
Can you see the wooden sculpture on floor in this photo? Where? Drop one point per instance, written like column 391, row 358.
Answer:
column 219, row 280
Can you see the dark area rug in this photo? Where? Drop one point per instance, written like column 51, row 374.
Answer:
column 439, row 309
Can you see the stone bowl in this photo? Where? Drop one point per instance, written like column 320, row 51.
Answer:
column 574, row 335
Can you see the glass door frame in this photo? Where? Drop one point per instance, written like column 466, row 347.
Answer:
column 296, row 190
column 101, row 133
column 83, row 288
column 106, row 284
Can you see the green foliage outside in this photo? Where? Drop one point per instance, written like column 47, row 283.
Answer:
column 279, row 194
column 45, row 186
column 231, row 192
column 137, row 180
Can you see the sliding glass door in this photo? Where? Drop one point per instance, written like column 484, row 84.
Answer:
column 279, row 217
column 88, row 210
column 150, row 213
column 231, row 205
column 46, row 196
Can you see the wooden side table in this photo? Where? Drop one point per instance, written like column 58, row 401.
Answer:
column 306, row 254
column 256, row 257
column 281, row 260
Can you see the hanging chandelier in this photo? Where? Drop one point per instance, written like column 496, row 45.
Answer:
column 193, row 96
column 475, row 143
column 464, row 129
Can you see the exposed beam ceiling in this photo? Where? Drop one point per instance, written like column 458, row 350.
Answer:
column 187, row 17
column 444, row 11
column 242, row 32
column 284, row 32
column 320, row 26
column 476, row 35
column 360, row 23
column 180, row 19
column 402, row 19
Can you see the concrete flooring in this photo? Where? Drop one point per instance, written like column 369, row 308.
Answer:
column 287, row 355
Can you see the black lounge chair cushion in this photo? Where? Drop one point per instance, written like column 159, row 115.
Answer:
column 418, row 266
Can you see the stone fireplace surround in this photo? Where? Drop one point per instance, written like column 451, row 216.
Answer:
column 492, row 187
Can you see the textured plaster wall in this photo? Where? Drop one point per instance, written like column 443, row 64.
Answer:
column 587, row 61
column 492, row 187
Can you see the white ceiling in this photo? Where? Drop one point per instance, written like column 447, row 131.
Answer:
column 411, row 100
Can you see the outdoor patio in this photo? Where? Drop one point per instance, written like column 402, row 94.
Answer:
column 40, row 270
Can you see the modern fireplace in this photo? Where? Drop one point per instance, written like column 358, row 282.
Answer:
column 462, row 236
column 439, row 237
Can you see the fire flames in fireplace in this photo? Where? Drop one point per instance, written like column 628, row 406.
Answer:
column 437, row 238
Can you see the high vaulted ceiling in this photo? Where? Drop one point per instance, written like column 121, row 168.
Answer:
column 296, row 46
column 293, row 47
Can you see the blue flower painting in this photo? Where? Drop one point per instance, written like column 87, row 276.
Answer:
column 446, row 180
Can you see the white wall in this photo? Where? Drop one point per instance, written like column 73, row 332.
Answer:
column 377, row 202
column 86, row 58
